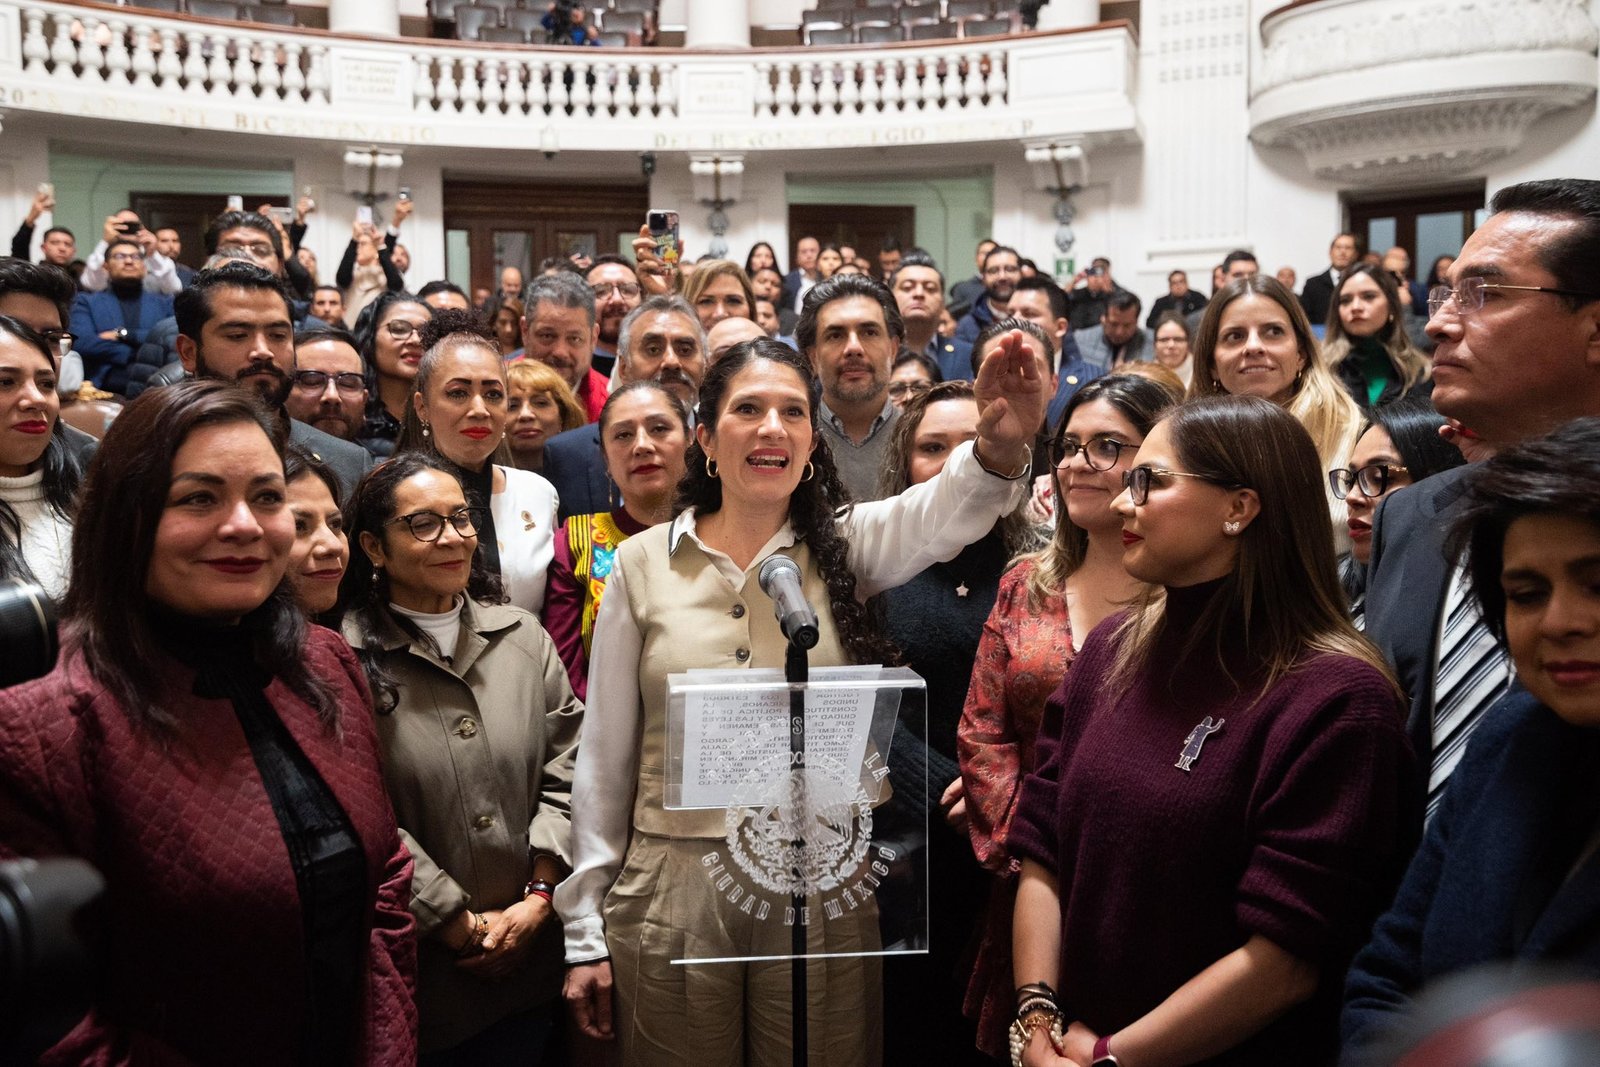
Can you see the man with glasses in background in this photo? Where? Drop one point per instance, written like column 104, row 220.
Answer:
column 266, row 245
column 1518, row 336
column 161, row 274
column 616, row 292
column 111, row 324
column 328, row 389
column 1002, row 269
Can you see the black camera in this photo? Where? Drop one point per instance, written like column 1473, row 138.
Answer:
column 27, row 633
column 46, row 971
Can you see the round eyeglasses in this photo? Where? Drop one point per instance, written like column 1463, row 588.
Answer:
column 1375, row 479
column 1100, row 453
column 428, row 526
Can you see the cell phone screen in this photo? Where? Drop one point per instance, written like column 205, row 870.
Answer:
column 664, row 228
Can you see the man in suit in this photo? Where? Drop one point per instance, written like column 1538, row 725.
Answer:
column 1002, row 269
column 1317, row 296
column 111, row 324
column 234, row 324
column 1518, row 354
column 966, row 293
column 660, row 340
column 918, row 289
column 1118, row 338
column 804, row 275
column 170, row 244
column 1179, row 298
column 1090, row 292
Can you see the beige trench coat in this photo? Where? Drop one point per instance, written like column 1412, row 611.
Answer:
column 478, row 758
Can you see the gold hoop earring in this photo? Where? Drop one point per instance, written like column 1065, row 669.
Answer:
column 711, row 467
column 810, row 470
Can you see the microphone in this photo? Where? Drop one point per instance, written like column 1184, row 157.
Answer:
column 780, row 580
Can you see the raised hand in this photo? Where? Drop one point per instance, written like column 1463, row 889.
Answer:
column 1011, row 396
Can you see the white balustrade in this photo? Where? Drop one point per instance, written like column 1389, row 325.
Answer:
column 98, row 60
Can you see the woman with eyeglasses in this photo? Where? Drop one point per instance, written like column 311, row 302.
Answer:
column 39, row 474
column 1174, row 345
column 1366, row 342
column 479, row 730
column 459, row 412
column 911, row 376
column 1400, row 447
column 1047, row 605
column 1222, row 794
column 389, row 333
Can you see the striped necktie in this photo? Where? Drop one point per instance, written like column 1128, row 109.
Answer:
column 1473, row 673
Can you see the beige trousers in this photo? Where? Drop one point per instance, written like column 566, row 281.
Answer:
column 666, row 906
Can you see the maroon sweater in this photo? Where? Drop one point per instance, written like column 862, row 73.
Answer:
column 1288, row 824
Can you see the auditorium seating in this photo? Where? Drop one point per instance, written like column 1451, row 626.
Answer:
column 271, row 12
column 619, row 24
column 834, row 22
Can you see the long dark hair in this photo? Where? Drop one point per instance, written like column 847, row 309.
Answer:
column 1282, row 601
column 364, row 589
column 1413, row 425
column 107, row 614
column 1409, row 362
column 815, row 508
column 62, row 471
column 366, row 334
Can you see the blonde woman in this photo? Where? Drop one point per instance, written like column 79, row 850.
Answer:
column 539, row 405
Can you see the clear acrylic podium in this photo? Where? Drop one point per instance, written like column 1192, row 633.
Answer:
column 831, row 839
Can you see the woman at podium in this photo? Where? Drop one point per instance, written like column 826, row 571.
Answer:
column 685, row 595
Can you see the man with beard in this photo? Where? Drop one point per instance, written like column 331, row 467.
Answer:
column 661, row 340
column 616, row 293
column 266, row 245
column 327, row 303
column 234, row 325
column 1002, row 269
column 559, row 330
column 328, row 390
column 919, row 291
column 850, row 329
column 110, row 325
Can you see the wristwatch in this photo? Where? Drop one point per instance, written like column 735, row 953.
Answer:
column 1102, row 1053
column 122, row 333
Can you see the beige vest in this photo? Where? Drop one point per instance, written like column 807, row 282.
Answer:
column 690, row 617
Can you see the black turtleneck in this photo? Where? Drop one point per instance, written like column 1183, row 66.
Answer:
column 130, row 296
column 330, row 867
column 480, row 489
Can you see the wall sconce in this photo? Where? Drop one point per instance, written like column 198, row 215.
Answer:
column 366, row 163
column 1060, row 170
column 718, row 181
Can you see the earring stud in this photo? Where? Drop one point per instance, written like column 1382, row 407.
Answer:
column 1231, row 527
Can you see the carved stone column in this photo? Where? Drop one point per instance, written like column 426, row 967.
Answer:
column 378, row 17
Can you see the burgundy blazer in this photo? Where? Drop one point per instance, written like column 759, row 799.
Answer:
column 200, row 947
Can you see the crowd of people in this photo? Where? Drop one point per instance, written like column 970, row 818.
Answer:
column 1260, row 634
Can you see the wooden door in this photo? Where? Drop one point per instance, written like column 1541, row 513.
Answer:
column 519, row 224
column 191, row 214
column 861, row 226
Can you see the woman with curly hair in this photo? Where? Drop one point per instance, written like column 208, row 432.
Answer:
column 685, row 595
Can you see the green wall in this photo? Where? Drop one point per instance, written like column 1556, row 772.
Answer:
column 953, row 214
column 88, row 188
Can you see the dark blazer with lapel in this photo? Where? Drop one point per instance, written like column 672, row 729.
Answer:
column 1316, row 296
column 574, row 464
column 1407, row 581
column 1486, row 885
column 348, row 459
column 105, row 362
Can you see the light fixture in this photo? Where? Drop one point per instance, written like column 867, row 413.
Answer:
column 1060, row 169
column 718, row 181
column 365, row 163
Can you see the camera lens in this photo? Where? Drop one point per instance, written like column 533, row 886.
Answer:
column 27, row 633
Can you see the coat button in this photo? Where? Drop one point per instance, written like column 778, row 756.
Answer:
column 741, row 654
column 738, row 611
column 466, row 728
column 484, row 822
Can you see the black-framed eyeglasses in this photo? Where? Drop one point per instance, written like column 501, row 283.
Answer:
column 1101, row 452
column 1375, row 479
column 400, row 329
column 904, row 390
column 1136, row 481
column 315, row 381
column 61, row 340
column 125, row 257
column 1468, row 294
column 428, row 526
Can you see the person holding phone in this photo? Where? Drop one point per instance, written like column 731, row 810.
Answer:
column 160, row 274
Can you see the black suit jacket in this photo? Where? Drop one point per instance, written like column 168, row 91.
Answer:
column 1408, row 579
column 348, row 459
column 574, row 464
column 1316, row 297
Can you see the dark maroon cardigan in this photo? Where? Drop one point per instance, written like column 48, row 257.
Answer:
column 1290, row 824
column 201, row 952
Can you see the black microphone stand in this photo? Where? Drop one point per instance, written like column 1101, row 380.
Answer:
column 797, row 671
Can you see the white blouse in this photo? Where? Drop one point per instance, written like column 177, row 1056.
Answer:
column 46, row 536
column 890, row 542
column 524, row 528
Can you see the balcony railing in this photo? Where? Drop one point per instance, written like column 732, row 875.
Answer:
column 1417, row 90
column 146, row 67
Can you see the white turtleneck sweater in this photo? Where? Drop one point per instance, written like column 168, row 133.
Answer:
column 46, row 536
